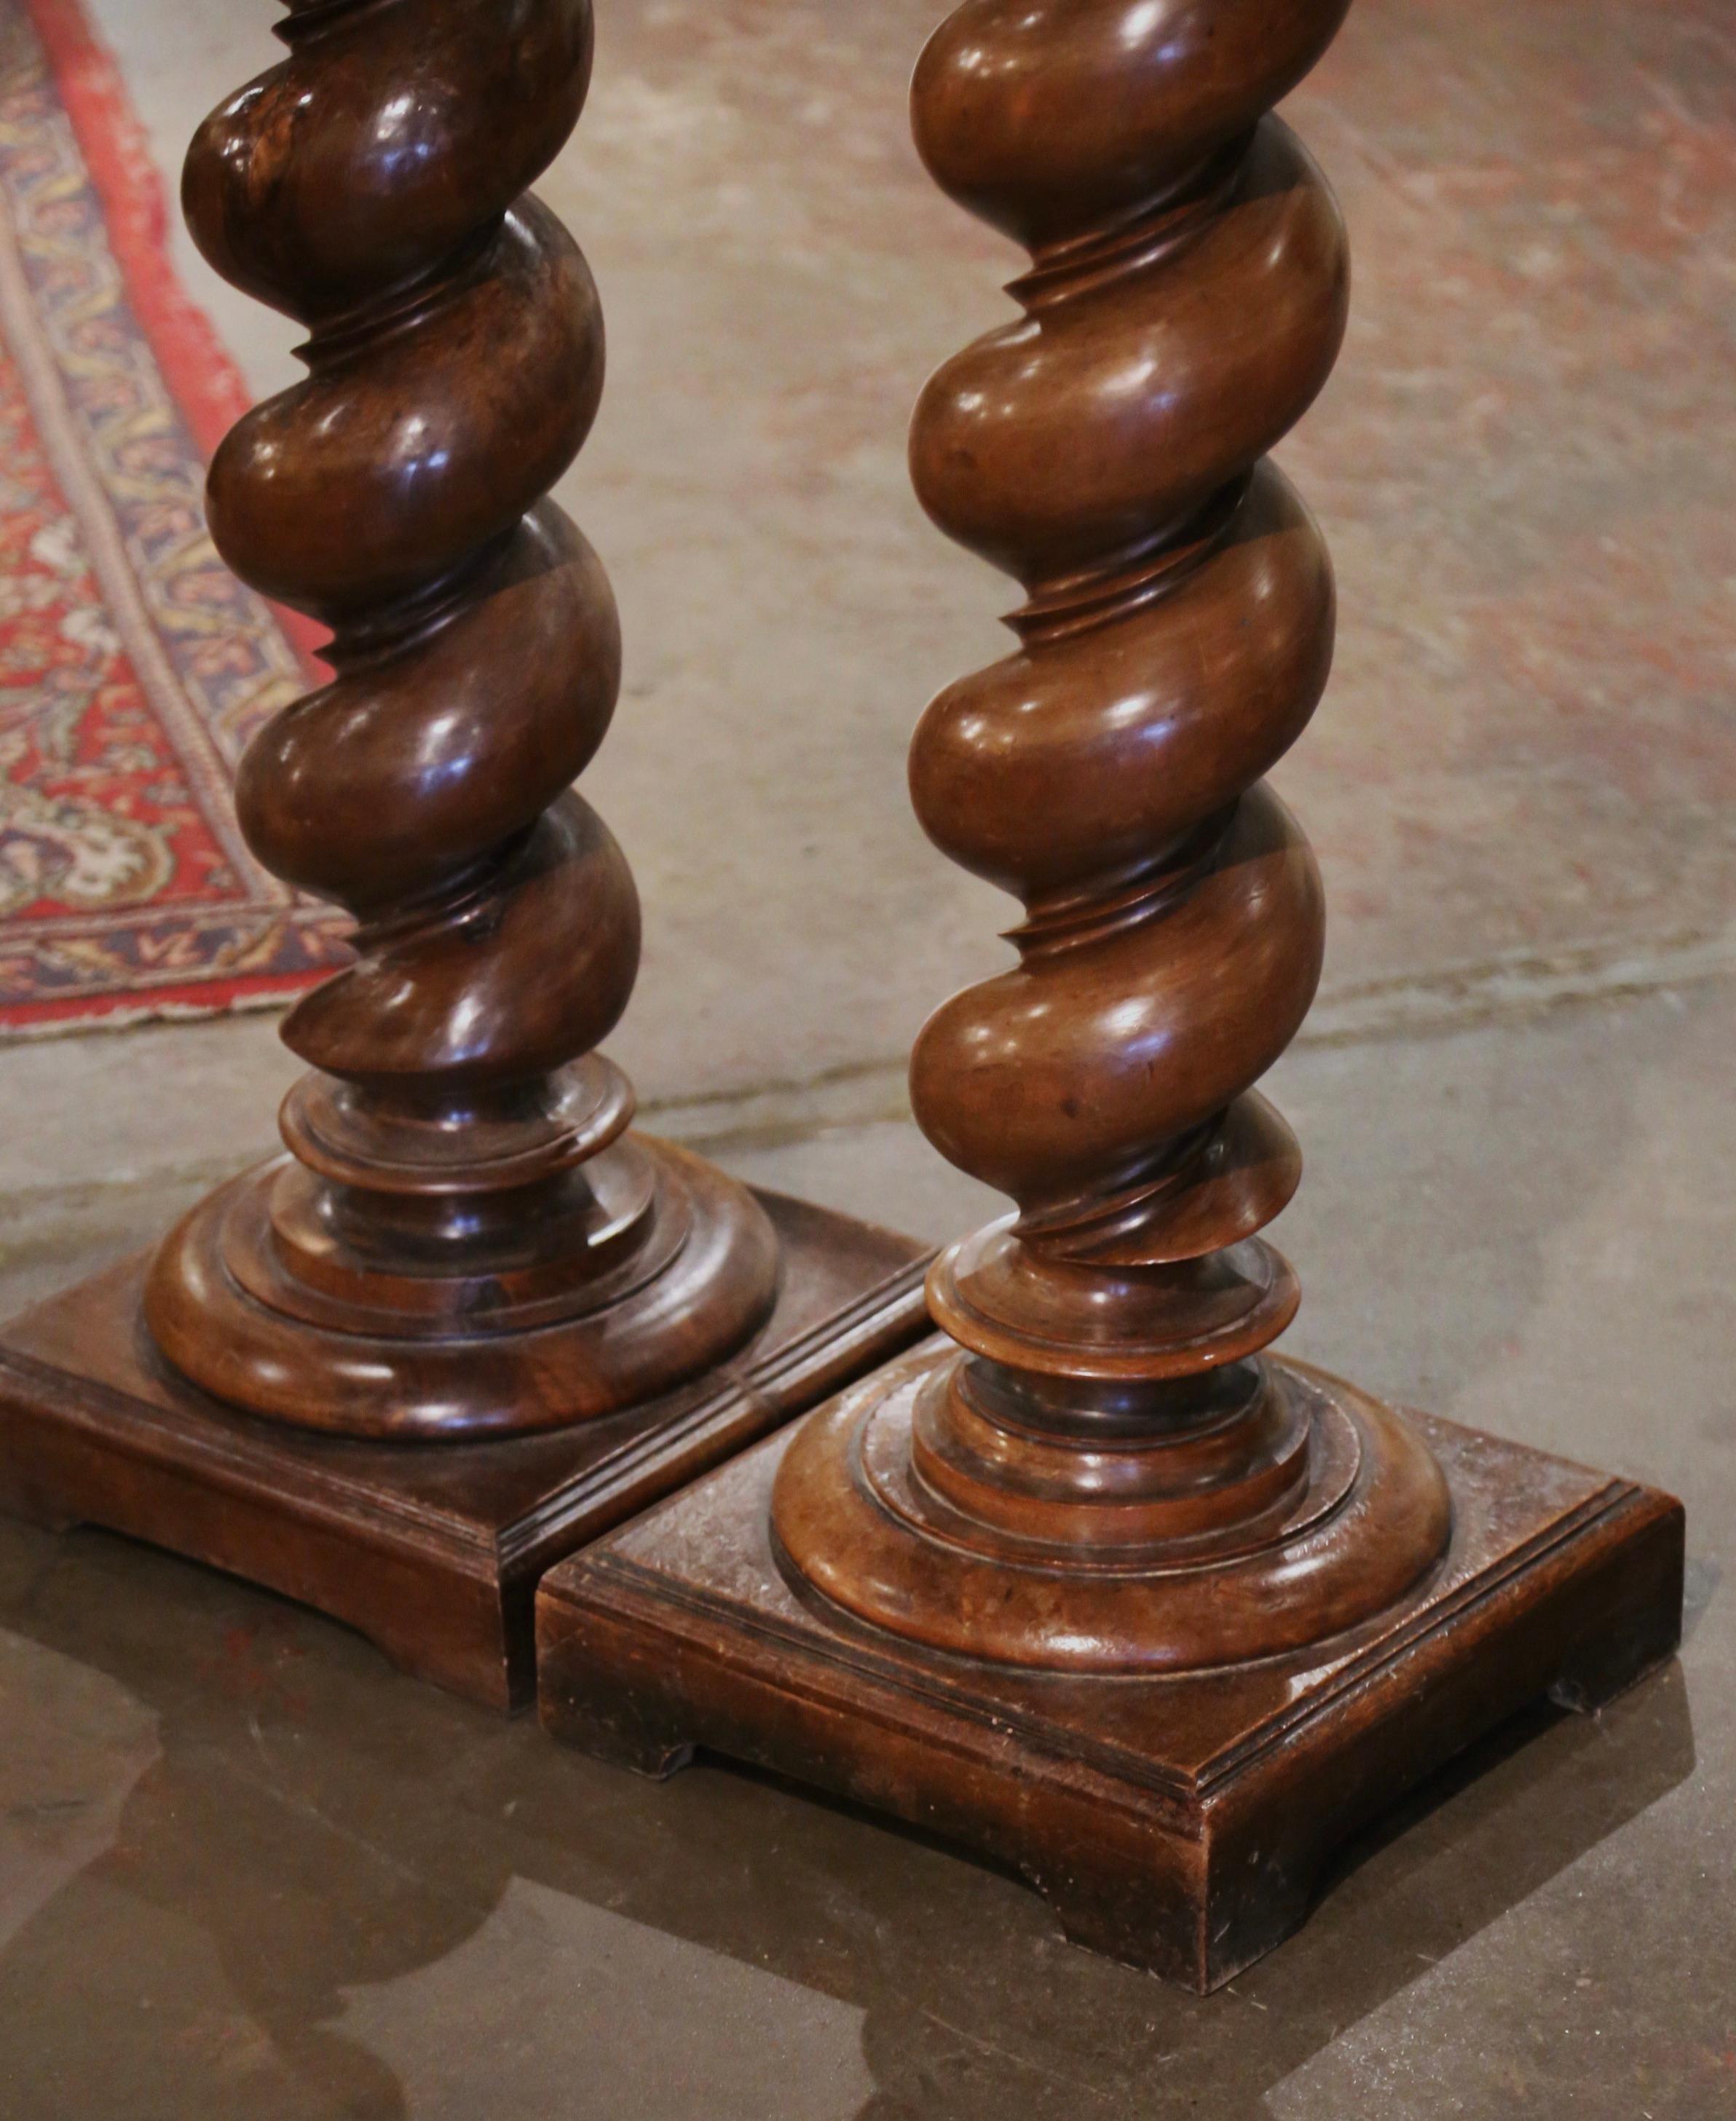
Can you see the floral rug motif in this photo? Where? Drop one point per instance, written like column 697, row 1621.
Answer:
column 133, row 667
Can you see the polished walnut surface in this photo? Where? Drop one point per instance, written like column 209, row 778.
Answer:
column 433, row 1550
column 1182, row 1822
column 1103, row 1473
column 465, row 1238
column 359, row 1889
column 470, row 1319
column 1095, row 1582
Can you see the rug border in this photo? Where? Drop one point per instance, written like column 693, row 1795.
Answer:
column 204, row 383
column 200, row 372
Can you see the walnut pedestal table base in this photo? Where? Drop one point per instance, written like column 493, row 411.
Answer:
column 432, row 1550
column 1097, row 1584
column 471, row 1319
column 1178, row 1820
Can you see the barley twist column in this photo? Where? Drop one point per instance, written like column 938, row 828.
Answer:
column 466, row 1239
column 1105, row 1473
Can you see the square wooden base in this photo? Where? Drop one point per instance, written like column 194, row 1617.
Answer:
column 431, row 1550
column 1181, row 1824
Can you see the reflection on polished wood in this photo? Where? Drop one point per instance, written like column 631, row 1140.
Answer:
column 1102, row 1474
column 466, row 1242
column 431, row 1550
column 465, row 1238
column 1100, row 1477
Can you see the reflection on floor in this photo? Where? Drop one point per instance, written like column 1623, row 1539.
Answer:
column 301, row 1885
column 247, row 1871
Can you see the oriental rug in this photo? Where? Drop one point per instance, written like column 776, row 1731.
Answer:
column 133, row 667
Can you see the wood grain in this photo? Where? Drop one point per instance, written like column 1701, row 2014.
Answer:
column 1102, row 1472
column 1096, row 1582
column 466, row 1239
column 1183, row 1822
column 432, row 1550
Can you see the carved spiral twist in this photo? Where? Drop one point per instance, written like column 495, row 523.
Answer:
column 1187, row 303
column 1110, row 1425
column 456, row 364
column 461, row 1166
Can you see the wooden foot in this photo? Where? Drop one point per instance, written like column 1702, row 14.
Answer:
column 432, row 1550
column 1178, row 1821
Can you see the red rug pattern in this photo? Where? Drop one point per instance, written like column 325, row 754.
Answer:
column 134, row 668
